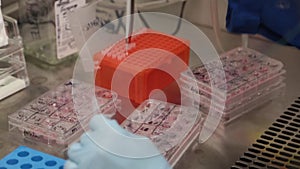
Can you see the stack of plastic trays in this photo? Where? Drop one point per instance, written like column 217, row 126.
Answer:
column 52, row 118
column 251, row 79
column 172, row 128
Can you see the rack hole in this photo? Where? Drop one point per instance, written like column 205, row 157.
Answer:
column 295, row 125
column 270, row 133
column 37, row 158
column 259, row 164
column 246, row 159
column 291, row 167
column 277, row 163
column 296, row 105
column 278, row 125
column 249, row 155
column 285, row 154
column 296, row 120
column 290, row 149
column 241, row 164
column 276, row 146
column 254, row 150
column 288, row 113
column 252, row 167
column 282, row 159
column 266, row 137
column 51, row 163
column 272, row 150
column 274, row 129
column 280, row 141
column 284, row 137
column 288, row 133
column 292, row 129
column 258, row 146
column 12, row 161
column 268, row 155
column 296, row 157
column 295, row 162
column 23, row 154
column 294, row 145
column 26, row 166
column 282, row 121
column 293, row 109
column 263, row 159
column 286, row 118
column 262, row 142
column 296, row 140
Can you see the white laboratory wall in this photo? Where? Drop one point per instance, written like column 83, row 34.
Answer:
column 198, row 11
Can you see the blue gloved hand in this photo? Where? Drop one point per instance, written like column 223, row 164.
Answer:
column 109, row 146
column 277, row 20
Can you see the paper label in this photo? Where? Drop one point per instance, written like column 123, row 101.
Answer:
column 65, row 42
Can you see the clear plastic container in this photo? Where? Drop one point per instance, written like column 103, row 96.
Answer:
column 205, row 98
column 245, row 70
column 249, row 104
column 251, row 79
column 13, row 73
column 53, row 119
column 46, row 31
column 172, row 128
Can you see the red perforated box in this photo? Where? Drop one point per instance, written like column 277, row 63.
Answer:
column 152, row 60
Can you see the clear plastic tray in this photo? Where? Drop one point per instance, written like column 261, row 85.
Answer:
column 250, row 104
column 245, row 71
column 13, row 73
column 52, row 118
column 171, row 127
column 205, row 98
column 12, row 59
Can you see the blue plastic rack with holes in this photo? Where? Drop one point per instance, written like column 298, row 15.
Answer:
column 26, row 158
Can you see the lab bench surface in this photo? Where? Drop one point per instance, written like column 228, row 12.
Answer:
column 225, row 146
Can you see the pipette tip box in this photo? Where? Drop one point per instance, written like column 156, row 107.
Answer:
column 152, row 60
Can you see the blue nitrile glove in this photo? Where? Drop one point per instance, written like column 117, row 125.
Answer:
column 278, row 20
column 109, row 146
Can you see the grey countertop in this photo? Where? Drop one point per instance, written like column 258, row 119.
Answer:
column 227, row 143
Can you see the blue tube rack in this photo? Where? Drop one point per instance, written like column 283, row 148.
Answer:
column 27, row 158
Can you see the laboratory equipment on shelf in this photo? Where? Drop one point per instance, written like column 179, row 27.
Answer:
column 13, row 72
column 46, row 31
